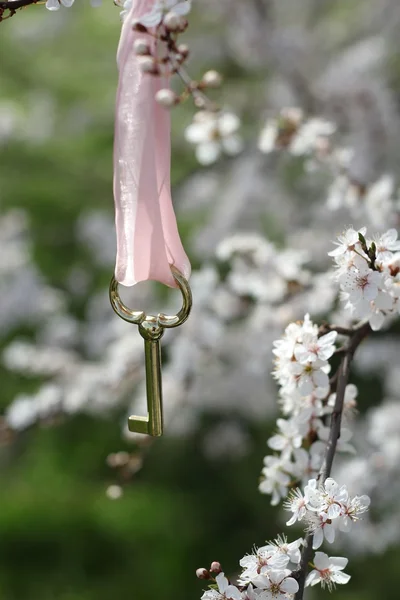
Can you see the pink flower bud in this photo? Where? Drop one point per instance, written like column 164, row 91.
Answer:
column 212, row 79
column 147, row 64
column 183, row 50
column 202, row 573
column 215, row 568
column 141, row 47
column 166, row 98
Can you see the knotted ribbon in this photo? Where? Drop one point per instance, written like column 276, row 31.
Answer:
column 148, row 240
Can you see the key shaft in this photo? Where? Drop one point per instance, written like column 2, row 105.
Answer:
column 152, row 424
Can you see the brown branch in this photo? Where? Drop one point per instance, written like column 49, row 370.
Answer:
column 358, row 335
column 326, row 328
column 13, row 5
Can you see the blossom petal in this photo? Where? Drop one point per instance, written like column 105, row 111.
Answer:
column 329, row 533
column 222, row 582
column 321, row 561
column 52, row 5
column 228, row 123
column 339, row 562
column 376, row 320
column 232, row 144
column 313, row 578
column 233, row 593
column 289, row 585
column 340, row 577
column 182, row 8
column 208, row 152
column 318, row 538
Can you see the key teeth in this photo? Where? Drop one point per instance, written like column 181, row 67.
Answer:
column 139, row 424
column 142, row 425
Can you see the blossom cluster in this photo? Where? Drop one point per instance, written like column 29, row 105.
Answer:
column 214, row 132
column 266, row 574
column 315, row 139
column 260, row 270
column 368, row 271
column 325, row 509
column 292, row 131
column 269, row 573
column 302, row 371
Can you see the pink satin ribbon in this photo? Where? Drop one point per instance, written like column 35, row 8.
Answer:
column 148, row 240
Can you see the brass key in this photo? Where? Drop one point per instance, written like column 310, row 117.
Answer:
column 151, row 328
column 152, row 333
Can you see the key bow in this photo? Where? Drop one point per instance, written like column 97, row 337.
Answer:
column 151, row 328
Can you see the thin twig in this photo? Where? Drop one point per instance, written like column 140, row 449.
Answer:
column 196, row 93
column 358, row 335
column 13, row 5
column 326, row 328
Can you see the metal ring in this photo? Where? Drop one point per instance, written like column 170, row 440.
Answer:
column 137, row 316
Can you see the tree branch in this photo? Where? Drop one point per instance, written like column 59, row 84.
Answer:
column 13, row 5
column 358, row 335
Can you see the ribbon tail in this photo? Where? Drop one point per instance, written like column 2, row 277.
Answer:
column 148, row 240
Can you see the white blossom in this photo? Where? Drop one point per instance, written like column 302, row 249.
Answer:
column 321, row 528
column 261, row 562
column 323, row 507
column 225, row 590
column 163, row 7
column 213, row 133
column 277, row 585
column 310, row 376
column 290, row 549
column 312, row 349
column 348, row 242
column 328, row 571
column 297, row 504
column 368, row 276
column 275, row 479
column 310, row 135
column 288, row 438
column 386, row 245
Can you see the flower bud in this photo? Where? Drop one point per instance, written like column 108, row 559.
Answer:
column 114, row 492
column 183, row 50
column 141, row 47
column 172, row 21
column 183, row 24
column 215, row 568
column 147, row 64
column 202, row 573
column 199, row 102
column 166, row 98
column 212, row 79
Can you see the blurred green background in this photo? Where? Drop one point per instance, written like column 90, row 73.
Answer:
column 61, row 537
